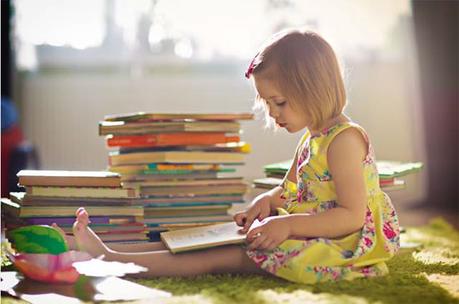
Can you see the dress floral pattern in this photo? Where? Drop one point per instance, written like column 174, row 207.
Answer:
column 361, row 254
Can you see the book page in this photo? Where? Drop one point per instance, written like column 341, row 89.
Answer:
column 201, row 237
column 207, row 234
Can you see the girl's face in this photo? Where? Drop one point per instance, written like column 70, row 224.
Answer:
column 280, row 109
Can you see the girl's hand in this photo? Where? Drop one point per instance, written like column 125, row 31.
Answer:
column 270, row 234
column 260, row 209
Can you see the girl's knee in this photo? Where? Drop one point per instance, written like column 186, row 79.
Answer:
column 232, row 259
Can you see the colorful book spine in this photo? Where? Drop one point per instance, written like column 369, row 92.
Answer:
column 171, row 139
column 64, row 220
column 102, row 192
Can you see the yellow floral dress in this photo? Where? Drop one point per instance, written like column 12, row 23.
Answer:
column 361, row 254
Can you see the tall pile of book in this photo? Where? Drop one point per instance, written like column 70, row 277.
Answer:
column 390, row 174
column 182, row 164
column 53, row 196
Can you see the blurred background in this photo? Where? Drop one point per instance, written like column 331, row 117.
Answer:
column 65, row 64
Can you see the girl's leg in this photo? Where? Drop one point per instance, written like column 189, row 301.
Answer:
column 138, row 247
column 135, row 247
column 227, row 259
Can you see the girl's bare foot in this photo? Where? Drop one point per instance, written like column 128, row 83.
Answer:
column 86, row 239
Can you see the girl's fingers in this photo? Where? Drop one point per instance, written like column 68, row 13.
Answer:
column 265, row 244
column 248, row 222
column 239, row 218
column 257, row 241
column 271, row 245
column 254, row 233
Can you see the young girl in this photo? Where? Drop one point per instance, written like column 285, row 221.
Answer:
column 329, row 218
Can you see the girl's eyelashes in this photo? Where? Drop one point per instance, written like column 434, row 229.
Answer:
column 281, row 103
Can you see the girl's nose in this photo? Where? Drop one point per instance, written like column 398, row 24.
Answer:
column 273, row 113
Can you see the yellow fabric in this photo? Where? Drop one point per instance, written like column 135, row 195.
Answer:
column 360, row 254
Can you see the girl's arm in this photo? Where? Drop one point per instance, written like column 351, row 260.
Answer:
column 345, row 156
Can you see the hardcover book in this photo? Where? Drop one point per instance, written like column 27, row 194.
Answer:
column 203, row 237
column 240, row 188
column 123, row 128
column 67, row 211
column 176, row 157
column 69, row 178
column 391, row 169
column 142, row 116
column 101, row 192
column 169, row 139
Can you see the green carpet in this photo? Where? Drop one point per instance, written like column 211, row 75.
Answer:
column 427, row 274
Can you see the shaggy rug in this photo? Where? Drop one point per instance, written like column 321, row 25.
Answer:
column 425, row 272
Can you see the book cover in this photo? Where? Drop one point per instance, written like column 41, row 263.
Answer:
column 187, row 219
column 180, row 226
column 267, row 182
column 123, row 237
column 186, row 182
column 397, row 184
column 280, row 167
column 64, row 221
column 169, row 139
column 143, row 116
column 203, row 237
column 386, row 169
column 241, row 147
column 68, row 221
column 196, row 167
column 197, row 199
column 167, row 200
column 176, row 157
column 131, row 128
column 69, row 211
column 69, row 178
column 100, row 192
column 110, row 228
column 389, row 169
column 25, row 199
column 186, row 211
column 194, row 190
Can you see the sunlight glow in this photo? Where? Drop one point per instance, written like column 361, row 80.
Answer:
column 201, row 29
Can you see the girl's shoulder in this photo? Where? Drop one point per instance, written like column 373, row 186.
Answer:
column 352, row 137
column 338, row 129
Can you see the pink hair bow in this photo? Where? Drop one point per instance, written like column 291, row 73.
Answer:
column 251, row 67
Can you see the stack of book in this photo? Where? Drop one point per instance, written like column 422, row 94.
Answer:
column 182, row 164
column 390, row 173
column 53, row 196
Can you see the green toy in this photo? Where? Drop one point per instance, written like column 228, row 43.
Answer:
column 38, row 239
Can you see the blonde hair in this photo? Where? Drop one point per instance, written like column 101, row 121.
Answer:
column 304, row 68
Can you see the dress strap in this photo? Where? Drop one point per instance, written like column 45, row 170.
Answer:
column 303, row 139
column 334, row 131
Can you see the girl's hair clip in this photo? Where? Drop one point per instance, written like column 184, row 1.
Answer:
column 251, row 67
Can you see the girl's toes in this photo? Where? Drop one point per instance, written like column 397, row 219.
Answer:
column 82, row 216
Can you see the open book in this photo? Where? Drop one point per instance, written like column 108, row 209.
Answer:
column 203, row 237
